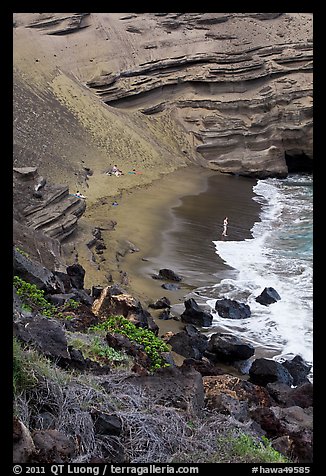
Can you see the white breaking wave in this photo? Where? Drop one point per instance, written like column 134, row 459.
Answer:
column 273, row 258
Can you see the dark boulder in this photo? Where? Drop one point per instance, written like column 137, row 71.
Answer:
column 298, row 368
column 203, row 366
column 229, row 309
column 229, row 348
column 279, row 392
column 46, row 334
column 268, row 296
column 65, row 279
column 301, row 396
column 60, row 298
column 77, row 274
column 165, row 315
column 96, row 291
column 76, row 360
column 115, row 290
column 170, row 286
column 80, row 295
column 105, row 424
column 167, row 274
column 190, row 343
column 161, row 303
column 264, row 371
column 194, row 315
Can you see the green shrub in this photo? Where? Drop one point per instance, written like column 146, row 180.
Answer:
column 152, row 345
column 97, row 350
column 247, row 449
column 105, row 351
column 72, row 304
column 22, row 252
column 33, row 299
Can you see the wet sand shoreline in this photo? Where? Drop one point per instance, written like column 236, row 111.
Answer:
column 141, row 215
column 150, row 217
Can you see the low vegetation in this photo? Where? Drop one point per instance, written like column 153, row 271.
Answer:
column 23, row 373
column 47, row 396
column 248, row 449
column 34, row 299
column 152, row 345
column 95, row 348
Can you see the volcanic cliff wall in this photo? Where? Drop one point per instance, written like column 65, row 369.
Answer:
column 233, row 90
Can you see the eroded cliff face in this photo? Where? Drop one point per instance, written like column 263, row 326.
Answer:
column 232, row 91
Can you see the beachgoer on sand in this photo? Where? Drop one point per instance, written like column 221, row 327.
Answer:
column 134, row 172
column 225, row 226
column 79, row 195
column 114, row 171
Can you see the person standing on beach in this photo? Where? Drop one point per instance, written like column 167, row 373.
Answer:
column 225, row 226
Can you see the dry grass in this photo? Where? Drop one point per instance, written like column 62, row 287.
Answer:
column 151, row 432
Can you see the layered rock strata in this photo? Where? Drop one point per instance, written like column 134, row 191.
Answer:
column 246, row 103
column 46, row 207
column 239, row 84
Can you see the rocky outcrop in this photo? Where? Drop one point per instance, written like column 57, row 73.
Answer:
column 301, row 396
column 190, row 343
column 228, row 348
column 289, row 426
column 193, row 314
column 298, row 368
column 45, row 334
column 172, row 386
column 114, row 301
column 230, row 309
column 60, row 24
column 195, row 389
column 268, row 296
column 48, row 208
column 23, row 445
column 32, row 271
column 295, row 423
column 264, row 371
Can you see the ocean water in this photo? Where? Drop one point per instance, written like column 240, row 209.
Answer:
column 269, row 244
column 279, row 254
